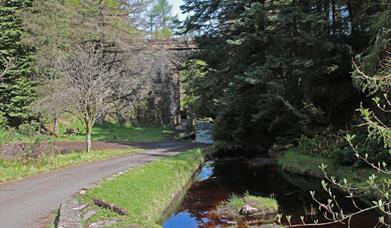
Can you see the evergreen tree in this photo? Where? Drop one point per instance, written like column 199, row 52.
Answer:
column 17, row 86
column 276, row 65
column 160, row 19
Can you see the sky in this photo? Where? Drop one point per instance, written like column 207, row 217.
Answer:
column 175, row 8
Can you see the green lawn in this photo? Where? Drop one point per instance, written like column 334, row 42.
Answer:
column 117, row 132
column 295, row 161
column 105, row 132
column 15, row 169
column 145, row 192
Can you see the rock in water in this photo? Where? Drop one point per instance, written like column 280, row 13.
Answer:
column 248, row 210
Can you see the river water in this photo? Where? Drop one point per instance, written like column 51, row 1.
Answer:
column 221, row 178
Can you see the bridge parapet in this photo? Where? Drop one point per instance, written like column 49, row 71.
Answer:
column 170, row 44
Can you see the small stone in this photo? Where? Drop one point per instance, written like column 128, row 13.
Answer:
column 248, row 210
column 83, row 192
column 102, row 224
column 80, row 207
column 89, row 214
column 89, row 187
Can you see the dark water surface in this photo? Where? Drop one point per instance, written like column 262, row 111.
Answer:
column 220, row 179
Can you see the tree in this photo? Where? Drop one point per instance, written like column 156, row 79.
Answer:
column 16, row 86
column 159, row 19
column 52, row 101
column 270, row 61
column 162, row 10
column 372, row 74
column 91, row 79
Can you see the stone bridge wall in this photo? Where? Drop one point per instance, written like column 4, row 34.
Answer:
column 166, row 78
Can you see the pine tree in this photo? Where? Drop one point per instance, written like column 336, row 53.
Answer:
column 275, row 65
column 17, row 86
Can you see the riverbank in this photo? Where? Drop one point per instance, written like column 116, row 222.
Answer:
column 294, row 161
column 144, row 193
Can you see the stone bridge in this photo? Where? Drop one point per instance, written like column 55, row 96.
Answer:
column 165, row 77
column 170, row 44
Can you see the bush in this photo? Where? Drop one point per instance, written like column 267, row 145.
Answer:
column 38, row 150
column 325, row 145
column 334, row 146
column 30, row 129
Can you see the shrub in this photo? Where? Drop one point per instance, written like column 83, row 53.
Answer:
column 325, row 145
column 29, row 129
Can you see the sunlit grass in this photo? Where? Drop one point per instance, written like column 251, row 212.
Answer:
column 15, row 169
column 297, row 162
column 114, row 132
column 236, row 202
column 145, row 192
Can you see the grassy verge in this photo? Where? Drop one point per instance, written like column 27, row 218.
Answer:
column 145, row 192
column 296, row 162
column 15, row 169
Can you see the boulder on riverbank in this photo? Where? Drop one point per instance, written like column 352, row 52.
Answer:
column 262, row 208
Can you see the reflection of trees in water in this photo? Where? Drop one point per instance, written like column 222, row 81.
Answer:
column 237, row 177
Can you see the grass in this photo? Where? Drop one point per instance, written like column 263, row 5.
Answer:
column 146, row 191
column 8, row 137
column 114, row 132
column 15, row 169
column 295, row 161
column 235, row 203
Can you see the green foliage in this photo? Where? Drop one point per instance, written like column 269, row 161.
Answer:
column 267, row 62
column 30, row 129
column 16, row 87
column 3, row 120
column 321, row 145
column 193, row 83
column 160, row 19
column 163, row 34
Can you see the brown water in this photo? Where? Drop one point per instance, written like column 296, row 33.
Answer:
column 220, row 179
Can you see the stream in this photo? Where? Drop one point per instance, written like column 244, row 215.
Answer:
column 221, row 178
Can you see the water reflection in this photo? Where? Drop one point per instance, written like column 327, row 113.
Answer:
column 206, row 171
column 217, row 181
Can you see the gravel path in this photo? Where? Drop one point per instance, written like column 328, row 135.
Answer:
column 30, row 201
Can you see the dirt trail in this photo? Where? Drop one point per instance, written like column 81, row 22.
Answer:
column 29, row 202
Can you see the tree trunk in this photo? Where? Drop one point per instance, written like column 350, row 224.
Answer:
column 102, row 24
column 334, row 17
column 55, row 126
column 88, row 135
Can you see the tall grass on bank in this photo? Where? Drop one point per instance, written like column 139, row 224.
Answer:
column 296, row 162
